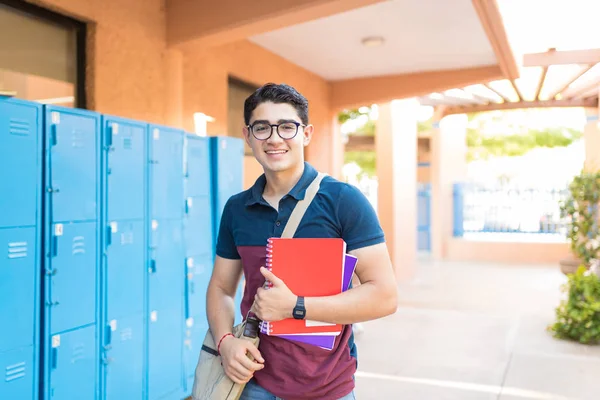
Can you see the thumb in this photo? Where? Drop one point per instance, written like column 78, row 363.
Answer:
column 270, row 276
column 253, row 350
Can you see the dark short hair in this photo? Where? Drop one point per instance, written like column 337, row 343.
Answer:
column 278, row 94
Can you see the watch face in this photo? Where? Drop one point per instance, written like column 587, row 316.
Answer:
column 298, row 314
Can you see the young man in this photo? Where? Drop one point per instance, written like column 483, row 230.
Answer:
column 277, row 129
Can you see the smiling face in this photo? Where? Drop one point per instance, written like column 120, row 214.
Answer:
column 276, row 154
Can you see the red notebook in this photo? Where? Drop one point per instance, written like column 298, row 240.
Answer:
column 309, row 267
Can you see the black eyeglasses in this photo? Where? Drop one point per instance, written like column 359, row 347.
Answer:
column 285, row 130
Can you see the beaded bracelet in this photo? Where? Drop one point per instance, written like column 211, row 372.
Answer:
column 223, row 337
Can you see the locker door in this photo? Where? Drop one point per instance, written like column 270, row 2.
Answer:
column 125, row 358
column 18, row 268
column 196, row 329
column 199, row 270
column 17, row 374
column 125, row 170
column 198, row 167
column 166, row 159
column 20, row 162
column 125, row 269
column 72, row 365
column 198, row 226
column 73, row 275
column 165, row 348
column 73, row 143
column 167, row 266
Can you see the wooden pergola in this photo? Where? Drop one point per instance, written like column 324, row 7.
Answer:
column 575, row 82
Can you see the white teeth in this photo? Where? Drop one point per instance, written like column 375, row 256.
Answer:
column 276, row 152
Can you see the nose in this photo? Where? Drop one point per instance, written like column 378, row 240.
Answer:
column 274, row 138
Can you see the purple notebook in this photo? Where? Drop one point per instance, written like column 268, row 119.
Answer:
column 327, row 341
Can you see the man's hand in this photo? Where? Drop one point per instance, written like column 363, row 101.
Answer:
column 236, row 363
column 275, row 303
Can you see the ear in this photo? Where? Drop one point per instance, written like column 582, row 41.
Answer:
column 246, row 133
column 307, row 134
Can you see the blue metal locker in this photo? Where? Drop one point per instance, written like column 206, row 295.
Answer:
column 167, row 263
column 124, row 142
column 199, row 269
column 197, row 166
column 227, row 169
column 72, row 259
column 198, row 234
column 21, row 142
column 73, row 163
column 123, row 359
column 20, row 162
column 166, row 172
column 165, row 354
column 73, row 364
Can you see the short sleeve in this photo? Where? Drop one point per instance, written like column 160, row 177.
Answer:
column 360, row 225
column 226, row 247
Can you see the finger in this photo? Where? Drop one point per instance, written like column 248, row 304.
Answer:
column 242, row 372
column 270, row 276
column 236, row 377
column 251, row 365
column 255, row 353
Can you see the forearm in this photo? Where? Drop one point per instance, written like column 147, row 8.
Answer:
column 366, row 302
column 220, row 311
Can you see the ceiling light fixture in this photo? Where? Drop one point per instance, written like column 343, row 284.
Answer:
column 372, row 41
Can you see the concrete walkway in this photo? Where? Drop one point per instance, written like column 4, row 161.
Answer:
column 468, row 331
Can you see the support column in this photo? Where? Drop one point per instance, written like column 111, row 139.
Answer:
column 396, row 152
column 448, row 166
column 591, row 137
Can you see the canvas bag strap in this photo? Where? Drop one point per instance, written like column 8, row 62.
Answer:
column 302, row 206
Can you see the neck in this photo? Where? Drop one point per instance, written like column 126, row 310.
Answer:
column 280, row 183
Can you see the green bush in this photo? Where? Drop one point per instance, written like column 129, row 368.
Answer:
column 578, row 315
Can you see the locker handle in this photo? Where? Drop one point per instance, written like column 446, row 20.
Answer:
column 53, row 136
column 54, row 246
column 54, row 358
column 108, row 235
column 108, row 344
column 152, row 268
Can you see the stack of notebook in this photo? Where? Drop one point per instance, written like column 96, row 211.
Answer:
column 308, row 268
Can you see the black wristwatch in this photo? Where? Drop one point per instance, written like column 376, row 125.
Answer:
column 299, row 311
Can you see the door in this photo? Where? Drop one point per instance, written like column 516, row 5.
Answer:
column 167, row 265
column 166, row 176
column 20, row 162
column 125, row 169
column 73, row 164
column 73, row 365
column 165, row 353
column 199, row 270
column 198, row 226
column 198, row 167
column 72, row 274
column 125, row 269
column 124, row 358
column 18, row 301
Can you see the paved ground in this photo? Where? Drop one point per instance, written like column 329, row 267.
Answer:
column 473, row 331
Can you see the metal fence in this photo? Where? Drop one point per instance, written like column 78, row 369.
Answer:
column 479, row 209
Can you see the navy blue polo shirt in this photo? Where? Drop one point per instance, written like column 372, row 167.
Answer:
column 295, row 370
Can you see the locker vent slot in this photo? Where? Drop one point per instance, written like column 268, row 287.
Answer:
column 127, row 143
column 77, row 138
column 78, row 353
column 14, row 372
column 78, row 245
column 17, row 250
column 18, row 127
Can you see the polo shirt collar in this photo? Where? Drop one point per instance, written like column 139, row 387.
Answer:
column 297, row 192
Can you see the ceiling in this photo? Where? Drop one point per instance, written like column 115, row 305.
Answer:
column 331, row 47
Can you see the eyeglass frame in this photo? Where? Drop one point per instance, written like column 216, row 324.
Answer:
column 298, row 125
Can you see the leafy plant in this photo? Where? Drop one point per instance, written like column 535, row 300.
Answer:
column 580, row 207
column 578, row 315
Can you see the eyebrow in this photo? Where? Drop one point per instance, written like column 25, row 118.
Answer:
column 281, row 121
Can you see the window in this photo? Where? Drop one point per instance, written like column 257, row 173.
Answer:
column 238, row 91
column 42, row 55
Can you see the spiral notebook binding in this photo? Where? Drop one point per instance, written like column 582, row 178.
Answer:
column 265, row 327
